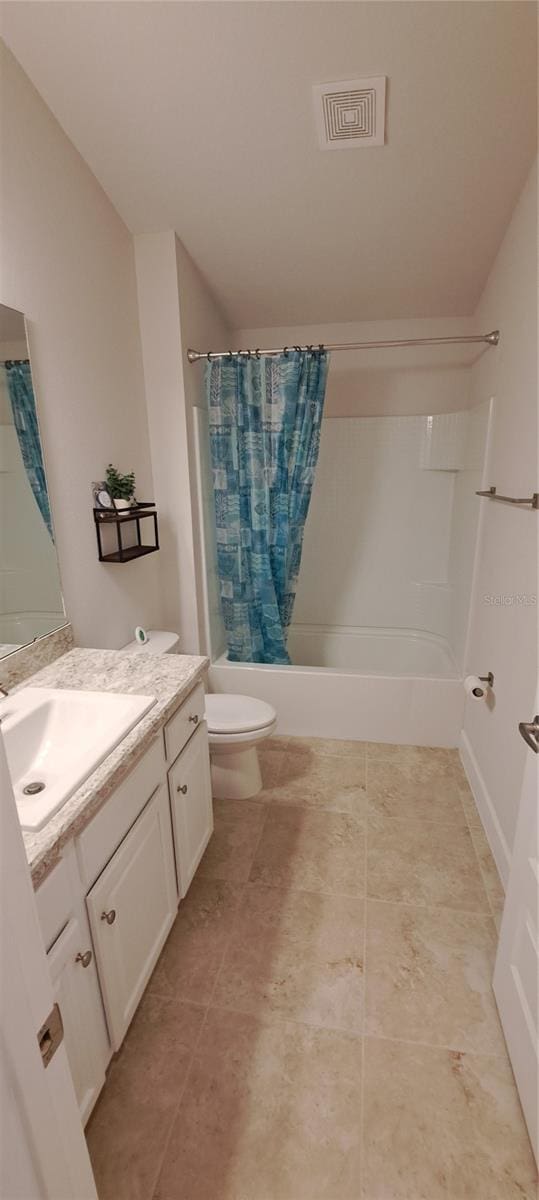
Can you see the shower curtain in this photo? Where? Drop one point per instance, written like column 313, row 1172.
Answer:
column 265, row 416
column 23, row 405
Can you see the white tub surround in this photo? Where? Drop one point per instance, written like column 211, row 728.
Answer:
column 385, row 523
column 169, row 677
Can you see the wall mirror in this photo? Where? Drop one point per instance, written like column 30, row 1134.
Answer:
column 31, row 602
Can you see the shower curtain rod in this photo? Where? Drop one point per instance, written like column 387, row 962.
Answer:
column 491, row 339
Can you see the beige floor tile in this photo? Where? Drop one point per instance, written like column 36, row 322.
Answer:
column 496, row 908
column 128, row 1130
column 428, row 977
column 277, row 742
column 459, row 772
column 322, row 781
column 488, row 868
column 271, row 1112
column 297, row 955
column 340, row 747
column 429, row 863
column 237, row 828
column 415, row 792
column 441, row 1125
column 518, row 1191
column 193, row 953
column 314, row 851
column 271, row 762
column 435, row 758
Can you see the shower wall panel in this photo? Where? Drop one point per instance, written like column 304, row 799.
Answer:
column 380, row 548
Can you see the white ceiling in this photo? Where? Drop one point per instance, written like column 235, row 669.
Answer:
column 198, row 117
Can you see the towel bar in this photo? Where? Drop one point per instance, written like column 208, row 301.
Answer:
column 529, row 501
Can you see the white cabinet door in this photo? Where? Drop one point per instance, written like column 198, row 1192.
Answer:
column 131, row 908
column 76, row 989
column 40, row 1124
column 516, row 974
column 191, row 801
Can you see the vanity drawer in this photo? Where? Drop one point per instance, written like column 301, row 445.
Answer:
column 99, row 840
column 180, row 727
column 54, row 902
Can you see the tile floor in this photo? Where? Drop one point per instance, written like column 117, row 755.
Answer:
column 320, row 1025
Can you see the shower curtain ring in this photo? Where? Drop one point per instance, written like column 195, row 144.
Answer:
column 285, row 351
column 321, row 348
column 230, row 356
column 257, row 352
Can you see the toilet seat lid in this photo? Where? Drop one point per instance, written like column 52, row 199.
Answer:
column 227, row 713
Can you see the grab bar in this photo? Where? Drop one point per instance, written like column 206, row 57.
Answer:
column 529, row 501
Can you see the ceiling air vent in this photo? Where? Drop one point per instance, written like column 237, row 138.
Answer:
column 350, row 113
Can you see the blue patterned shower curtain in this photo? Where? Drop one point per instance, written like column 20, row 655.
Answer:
column 265, row 416
column 23, row 404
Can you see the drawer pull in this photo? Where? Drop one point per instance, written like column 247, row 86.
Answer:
column 84, row 959
column 194, row 719
column 182, row 787
column 109, row 917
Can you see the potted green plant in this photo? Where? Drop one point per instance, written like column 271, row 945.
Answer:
column 121, row 487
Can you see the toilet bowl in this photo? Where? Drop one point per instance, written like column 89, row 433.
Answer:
column 236, row 725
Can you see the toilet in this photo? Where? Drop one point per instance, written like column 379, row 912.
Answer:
column 236, row 726
column 159, row 642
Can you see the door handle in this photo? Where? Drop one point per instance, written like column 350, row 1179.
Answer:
column 194, row 719
column 84, row 959
column 529, row 730
column 182, row 788
column 109, row 917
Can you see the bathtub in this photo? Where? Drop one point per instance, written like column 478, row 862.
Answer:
column 18, row 629
column 380, row 685
column 373, row 651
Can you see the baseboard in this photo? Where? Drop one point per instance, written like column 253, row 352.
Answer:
column 485, row 808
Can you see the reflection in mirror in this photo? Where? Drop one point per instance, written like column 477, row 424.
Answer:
column 30, row 593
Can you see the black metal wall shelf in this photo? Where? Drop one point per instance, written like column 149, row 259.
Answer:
column 102, row 517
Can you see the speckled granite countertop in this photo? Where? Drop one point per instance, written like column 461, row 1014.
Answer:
column 168, row 677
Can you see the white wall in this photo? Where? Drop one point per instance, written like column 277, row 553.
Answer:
column 202, row 324
column 176, row 310
column 504, row 629
column 68, row 264
column 395, row 382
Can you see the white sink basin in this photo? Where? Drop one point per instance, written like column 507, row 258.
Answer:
column 56, row 738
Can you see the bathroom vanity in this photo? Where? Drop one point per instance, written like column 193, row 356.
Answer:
column 112, row 865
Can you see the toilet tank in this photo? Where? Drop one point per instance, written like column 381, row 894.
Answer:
column 159, row 642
